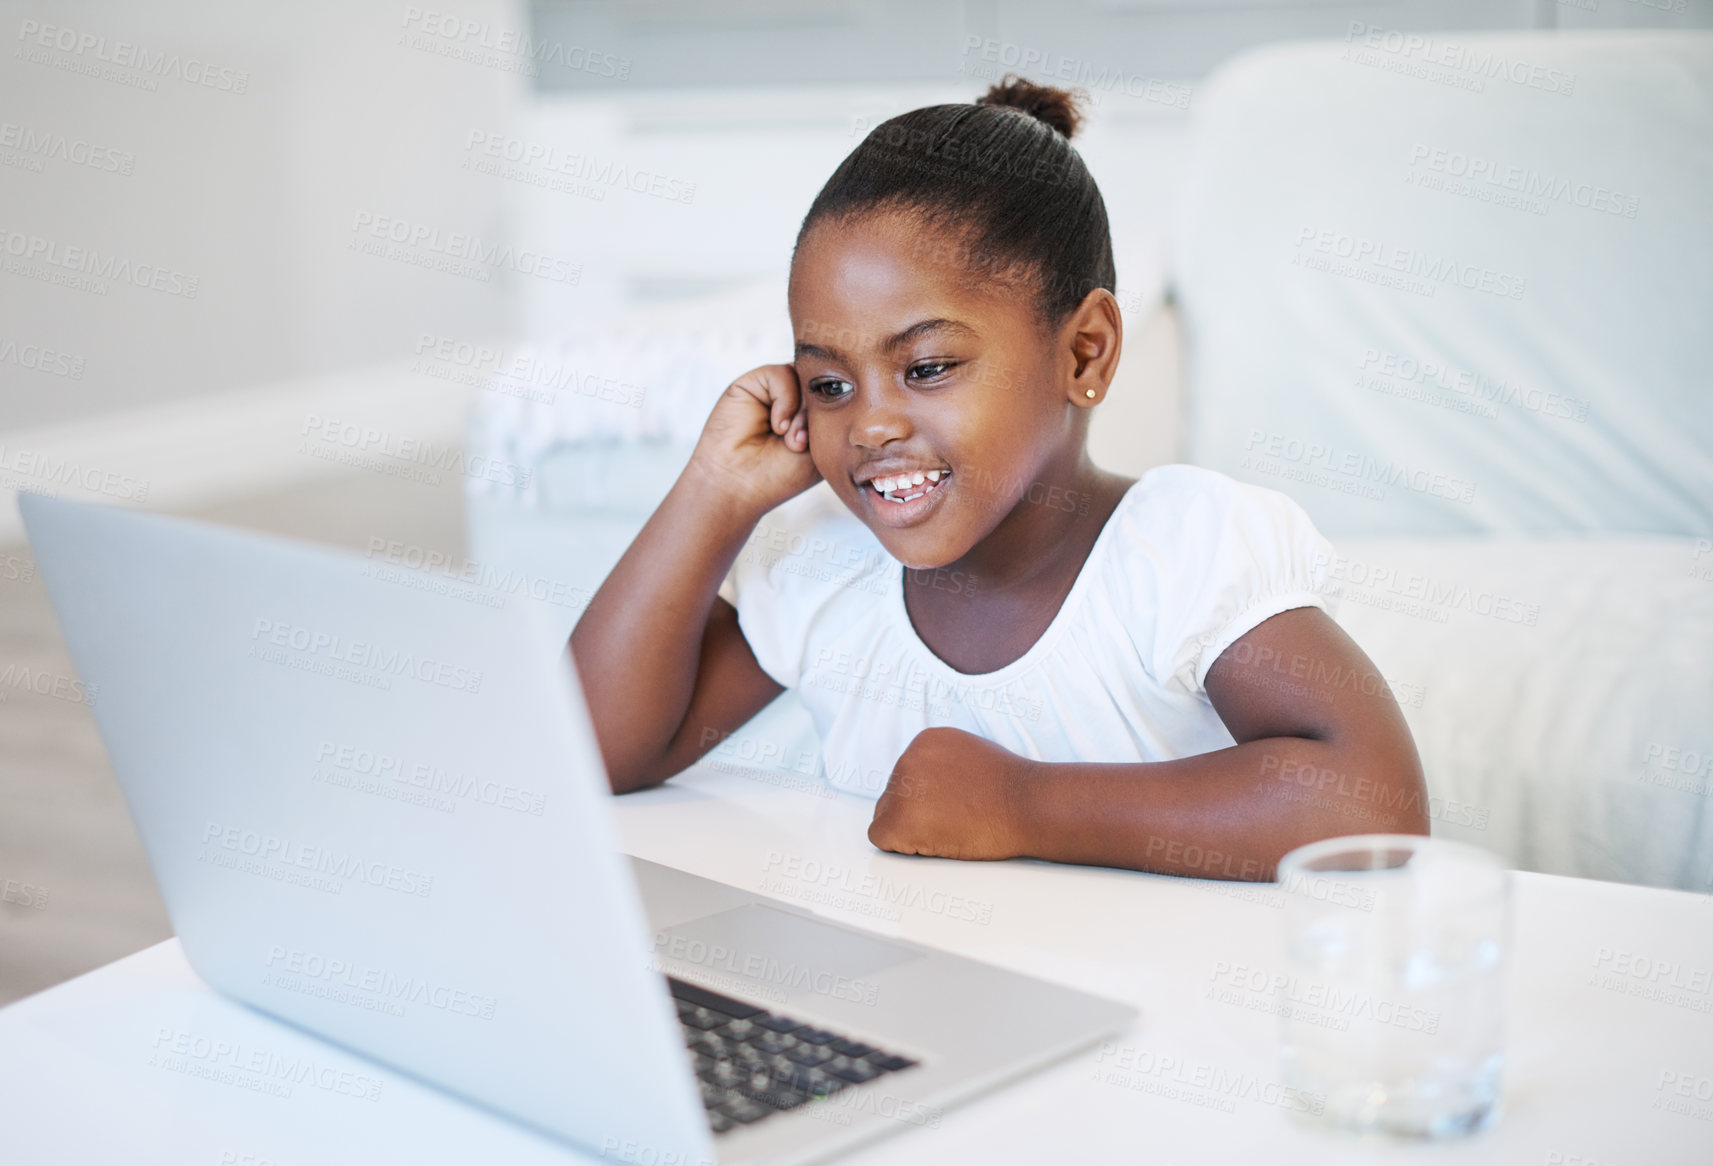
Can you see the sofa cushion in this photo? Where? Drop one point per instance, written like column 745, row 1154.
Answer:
column 1457, row 283
column 1559, row 690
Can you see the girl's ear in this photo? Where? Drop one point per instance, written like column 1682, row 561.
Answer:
column 1093, row 336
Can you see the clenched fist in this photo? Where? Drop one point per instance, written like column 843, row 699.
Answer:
column 756, row 439
column 953, row 795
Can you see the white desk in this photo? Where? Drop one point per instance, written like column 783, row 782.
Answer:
column 87, row 1073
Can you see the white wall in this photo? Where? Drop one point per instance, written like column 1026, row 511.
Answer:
column 253, row 193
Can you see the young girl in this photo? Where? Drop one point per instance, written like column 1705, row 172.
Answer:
column 1019, row 652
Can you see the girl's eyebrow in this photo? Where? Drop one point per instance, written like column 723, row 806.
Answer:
column 924, row 328
column 921, row 328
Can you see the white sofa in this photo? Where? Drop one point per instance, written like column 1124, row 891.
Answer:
column 1492, row 400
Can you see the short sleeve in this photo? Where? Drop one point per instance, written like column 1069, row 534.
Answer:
column 804, row 560
column 1215, row 558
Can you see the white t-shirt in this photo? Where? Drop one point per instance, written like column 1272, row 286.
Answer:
column 1188, row 562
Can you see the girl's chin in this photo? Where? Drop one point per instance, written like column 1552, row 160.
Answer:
column 918, row 552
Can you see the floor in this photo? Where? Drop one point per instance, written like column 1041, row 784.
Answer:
column 75, row 888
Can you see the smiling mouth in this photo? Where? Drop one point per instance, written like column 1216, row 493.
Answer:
column 908, row 487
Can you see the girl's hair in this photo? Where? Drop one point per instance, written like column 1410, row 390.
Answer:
column 1000, row 176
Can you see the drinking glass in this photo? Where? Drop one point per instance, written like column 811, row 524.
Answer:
column 1392, row 1001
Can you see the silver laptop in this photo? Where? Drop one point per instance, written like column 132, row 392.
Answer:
column 379, row 812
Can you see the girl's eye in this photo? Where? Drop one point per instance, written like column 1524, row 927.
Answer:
column 830, row 390
column 931, row 370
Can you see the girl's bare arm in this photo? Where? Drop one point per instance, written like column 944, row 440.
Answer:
column 1322, row 750
column 663, row 665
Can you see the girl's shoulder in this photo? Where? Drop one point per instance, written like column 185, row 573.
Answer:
column 1197, row 558
column 1188, row 513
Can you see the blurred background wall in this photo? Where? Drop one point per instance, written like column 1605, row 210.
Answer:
column 316, row 113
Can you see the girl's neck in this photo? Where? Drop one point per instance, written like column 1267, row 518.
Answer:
column 1047, row 536
column 1016, row 580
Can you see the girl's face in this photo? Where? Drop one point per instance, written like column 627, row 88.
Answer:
column 910, row 366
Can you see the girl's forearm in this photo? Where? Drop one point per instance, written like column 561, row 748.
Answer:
column 636, row 646
column 1230, row 814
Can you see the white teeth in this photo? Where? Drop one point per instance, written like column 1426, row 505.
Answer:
column 892, row 487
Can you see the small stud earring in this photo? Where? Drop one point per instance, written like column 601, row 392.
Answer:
column 1088, row 392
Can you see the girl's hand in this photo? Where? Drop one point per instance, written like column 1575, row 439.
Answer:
column 756, row 440
column 954, row 795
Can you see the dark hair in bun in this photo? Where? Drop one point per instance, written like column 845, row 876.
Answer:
column 1002, row 176
column 1059, row 108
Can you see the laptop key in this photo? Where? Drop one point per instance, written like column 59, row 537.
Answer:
column 709, row 1045
column 771, row 1044
column 743, row 1110
column 720, row 1122
column 888, row 1061
column 706, row 1019
column 780, row 1097
column 816, row 1083
column 713, row 1001
column 780, row 1024
column 856, row 1072
column 851, row 1048
column 815, row 1036
column 809, row 1055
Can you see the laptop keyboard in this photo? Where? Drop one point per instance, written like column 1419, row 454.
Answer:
column 752, row 1063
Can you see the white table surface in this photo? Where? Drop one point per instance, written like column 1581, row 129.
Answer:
column 1600, row 1042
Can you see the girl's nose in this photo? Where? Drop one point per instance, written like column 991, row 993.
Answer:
column 880, row 417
